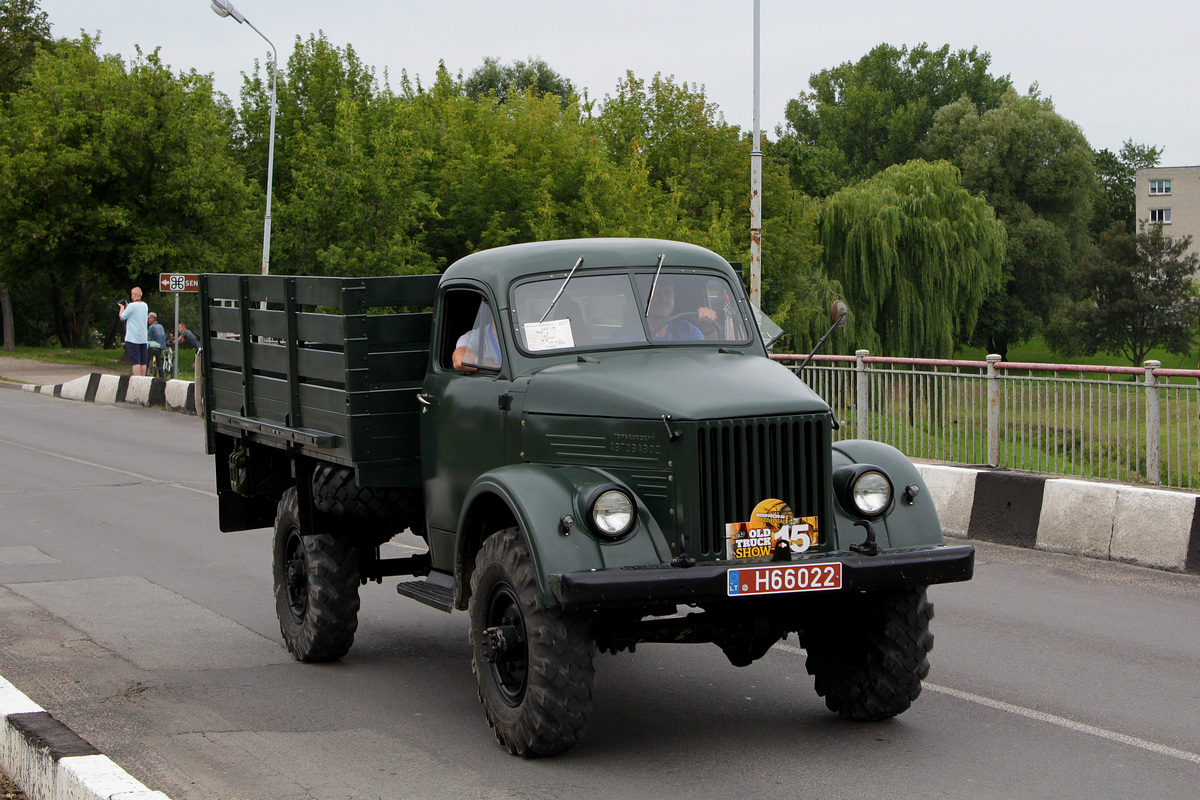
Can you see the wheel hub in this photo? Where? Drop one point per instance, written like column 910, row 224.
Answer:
column 501, row 640
column 504, row 645
column 295, row 577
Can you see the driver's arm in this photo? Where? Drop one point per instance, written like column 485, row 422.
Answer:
column 460, row 356
column 707, row 322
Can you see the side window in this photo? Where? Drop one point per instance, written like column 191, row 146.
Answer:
column 470, row 341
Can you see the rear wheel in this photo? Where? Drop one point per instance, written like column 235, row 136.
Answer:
column 533, row 662
column 869, row 652
column 316, row 587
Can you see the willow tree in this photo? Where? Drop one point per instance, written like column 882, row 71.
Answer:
column 915, row 254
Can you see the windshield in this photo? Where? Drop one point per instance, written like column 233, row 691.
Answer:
column 601, row 311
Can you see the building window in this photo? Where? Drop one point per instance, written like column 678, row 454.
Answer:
column 1160, row 215
column 1160, row 187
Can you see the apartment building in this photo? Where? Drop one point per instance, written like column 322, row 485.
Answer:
column 1170, row 195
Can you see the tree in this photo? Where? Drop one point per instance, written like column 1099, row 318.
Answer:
column 522, row 170
column 916, row 254
column 1137, row 292
column 502, row 81
column 684, row 141
column 1036, row 170
column 109, row 175
column 317, row 80
column 1115, row 200
column 862, row 117
column 356, row 207
column 24, row 31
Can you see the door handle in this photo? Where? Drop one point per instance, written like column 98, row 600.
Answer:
column 424, row 399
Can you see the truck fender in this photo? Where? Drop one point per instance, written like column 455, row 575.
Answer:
column 536, row 498
column 906, row 524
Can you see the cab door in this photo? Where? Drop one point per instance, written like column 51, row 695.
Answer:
column 462, row 418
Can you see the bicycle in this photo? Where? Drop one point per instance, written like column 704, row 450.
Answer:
column 167, row 362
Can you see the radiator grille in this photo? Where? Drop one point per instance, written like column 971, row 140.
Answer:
column 742, row 462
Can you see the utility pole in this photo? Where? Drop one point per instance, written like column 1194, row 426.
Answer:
column 756, row 185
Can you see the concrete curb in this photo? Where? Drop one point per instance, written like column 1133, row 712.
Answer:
column 1116, row 522
column 49, row 761
column 173, row 395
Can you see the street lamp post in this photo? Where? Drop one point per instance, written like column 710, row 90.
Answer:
column 756, row 186
column 224, row 8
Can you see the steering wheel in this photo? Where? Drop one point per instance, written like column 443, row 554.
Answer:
column 691, row 316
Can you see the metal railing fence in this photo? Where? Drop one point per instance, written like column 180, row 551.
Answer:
column 1131, row 424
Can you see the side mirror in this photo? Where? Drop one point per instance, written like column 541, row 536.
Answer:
column 839, row 312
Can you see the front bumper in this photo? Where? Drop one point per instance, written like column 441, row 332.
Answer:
column 633, row 587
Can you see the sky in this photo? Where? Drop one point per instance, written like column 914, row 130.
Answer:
column 1119, row 70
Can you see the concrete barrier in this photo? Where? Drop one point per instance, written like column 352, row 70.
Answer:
column 49, row 761
column 1134, row 524
column 173, row 395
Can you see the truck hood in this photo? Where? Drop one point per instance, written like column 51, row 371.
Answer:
column 687, row 384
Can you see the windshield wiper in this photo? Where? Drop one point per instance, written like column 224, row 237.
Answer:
column 560, row 289
column 661, row 258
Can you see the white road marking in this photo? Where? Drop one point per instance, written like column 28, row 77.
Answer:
column 1041, row 716
column 86, row 463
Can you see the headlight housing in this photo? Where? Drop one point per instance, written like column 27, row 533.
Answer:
column 871, row 492
column 864, row 490
column 612, row 512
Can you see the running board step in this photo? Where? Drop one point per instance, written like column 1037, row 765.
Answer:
column 432, row 592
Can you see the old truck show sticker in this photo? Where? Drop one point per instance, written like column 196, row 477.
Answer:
column 770, row 522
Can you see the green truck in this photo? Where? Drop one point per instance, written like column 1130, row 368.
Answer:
column 593, row 443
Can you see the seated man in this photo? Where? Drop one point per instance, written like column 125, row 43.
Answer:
column 478, row 347
column 670, row 327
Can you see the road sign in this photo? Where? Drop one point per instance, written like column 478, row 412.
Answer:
column 178, row 282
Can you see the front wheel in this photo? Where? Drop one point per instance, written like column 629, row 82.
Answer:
column 316, row 587
column 533, row 662
column 869, row 652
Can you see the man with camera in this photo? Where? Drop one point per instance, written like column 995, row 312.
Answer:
column 134, row 313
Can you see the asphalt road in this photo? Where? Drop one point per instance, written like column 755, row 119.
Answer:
column 125, row 613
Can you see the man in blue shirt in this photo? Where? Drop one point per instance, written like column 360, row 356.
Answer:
column 661, row 307
column 134, row 313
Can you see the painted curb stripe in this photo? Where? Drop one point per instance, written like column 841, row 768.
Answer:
column 1193, row 552
column 44, row 733
column 93, row 386
column 1007, row 508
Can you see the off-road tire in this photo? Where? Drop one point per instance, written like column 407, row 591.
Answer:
column 869, row 652
column 316, row 587
column 539, row 708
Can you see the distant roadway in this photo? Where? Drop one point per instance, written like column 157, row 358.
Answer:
column 130, row 617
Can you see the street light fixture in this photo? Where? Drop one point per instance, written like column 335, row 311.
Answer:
column 224, row 8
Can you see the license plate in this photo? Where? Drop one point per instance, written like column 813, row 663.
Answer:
column 785, row 578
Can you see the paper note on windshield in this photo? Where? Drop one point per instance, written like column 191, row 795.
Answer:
column 553, row 334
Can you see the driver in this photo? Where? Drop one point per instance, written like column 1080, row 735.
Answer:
column 667, row 326
column 478, row 347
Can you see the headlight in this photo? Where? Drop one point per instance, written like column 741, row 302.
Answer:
column 871, row 493
column 613, row 513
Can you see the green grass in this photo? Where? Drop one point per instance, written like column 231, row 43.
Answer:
column 94, row 357
column 9, row 790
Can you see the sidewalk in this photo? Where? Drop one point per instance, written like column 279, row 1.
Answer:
column 41, row 373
